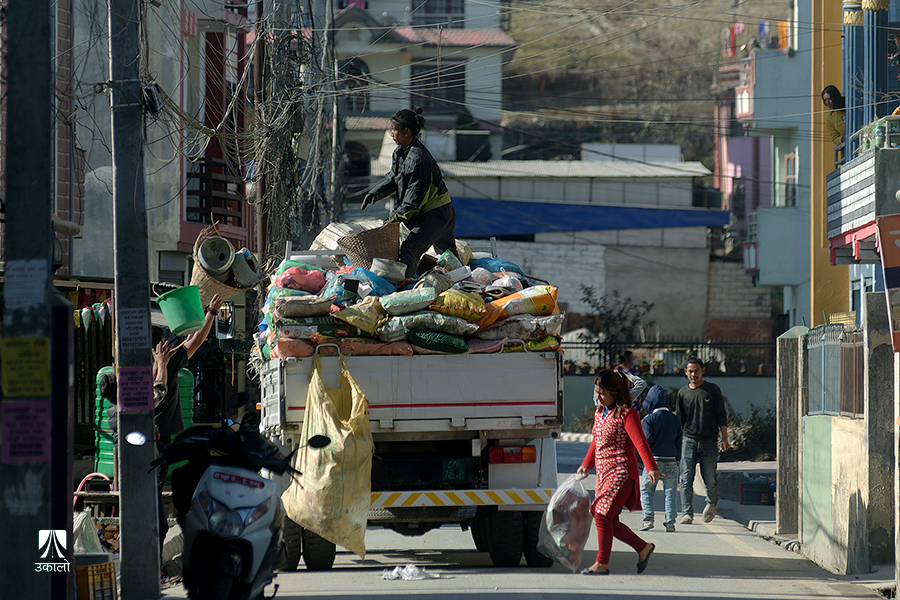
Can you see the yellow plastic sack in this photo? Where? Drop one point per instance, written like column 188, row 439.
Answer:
column 458, row 303
column 368, row 314
column 333, row 495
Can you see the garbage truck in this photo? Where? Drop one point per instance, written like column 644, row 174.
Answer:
column 460, row 439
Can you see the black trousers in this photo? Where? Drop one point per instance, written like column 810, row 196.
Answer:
column 434, row 228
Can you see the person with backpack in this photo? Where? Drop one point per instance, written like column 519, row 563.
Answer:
column 662, row 428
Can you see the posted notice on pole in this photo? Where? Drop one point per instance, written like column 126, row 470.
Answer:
column 134, row 328
column 26, row 431
column 26, row 367
column 135, row 389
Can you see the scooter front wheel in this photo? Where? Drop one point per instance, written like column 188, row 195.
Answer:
column 216, row 586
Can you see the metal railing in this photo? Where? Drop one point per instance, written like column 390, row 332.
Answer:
column 744, row 357
column 217, row 196
column 852, row 392
column 824, row 356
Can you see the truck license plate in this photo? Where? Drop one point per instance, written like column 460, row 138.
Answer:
column 453, row 470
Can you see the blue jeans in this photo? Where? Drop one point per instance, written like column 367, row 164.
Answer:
column 668, row 468
column 705, row 452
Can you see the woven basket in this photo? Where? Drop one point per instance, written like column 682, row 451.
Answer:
column 209, row 287
column 381, row 242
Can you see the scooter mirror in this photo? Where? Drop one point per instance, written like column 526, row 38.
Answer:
column 238, row 399
column 136, row 438
column 318, row 441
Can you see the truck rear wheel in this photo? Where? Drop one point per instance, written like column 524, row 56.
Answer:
column 318, row 553
column 292, row 535
column 481, row 528
column 507, row 538
column 532, row 530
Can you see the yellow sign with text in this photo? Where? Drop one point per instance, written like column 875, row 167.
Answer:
column 26, row 367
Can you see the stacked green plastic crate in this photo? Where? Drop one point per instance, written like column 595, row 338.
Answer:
column 103, row 441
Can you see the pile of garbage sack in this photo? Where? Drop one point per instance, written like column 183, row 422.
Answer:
column 485, row 305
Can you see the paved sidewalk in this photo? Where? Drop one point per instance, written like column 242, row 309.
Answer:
column 761, row 520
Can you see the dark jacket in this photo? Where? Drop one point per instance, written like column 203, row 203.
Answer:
column 662, row 427
column 416, row 179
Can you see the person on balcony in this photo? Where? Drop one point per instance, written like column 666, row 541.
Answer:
column 416, row 179
column 834, row 118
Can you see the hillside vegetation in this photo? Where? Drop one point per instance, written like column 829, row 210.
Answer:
column 622, row 71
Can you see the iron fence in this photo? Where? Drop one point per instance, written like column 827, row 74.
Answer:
column 732, row 357
column 852, row 394
column 824, row 358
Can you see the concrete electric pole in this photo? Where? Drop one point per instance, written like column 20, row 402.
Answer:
column 37, row 367
column 259, row 92
column 139, row 524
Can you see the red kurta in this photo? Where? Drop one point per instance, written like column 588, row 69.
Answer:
column 612, row 455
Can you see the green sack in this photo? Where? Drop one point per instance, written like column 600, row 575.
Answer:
column 408, row 301
column 436, row 342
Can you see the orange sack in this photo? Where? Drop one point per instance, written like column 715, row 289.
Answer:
column 539, row 300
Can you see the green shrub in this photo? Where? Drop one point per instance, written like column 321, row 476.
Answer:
column 753, row 438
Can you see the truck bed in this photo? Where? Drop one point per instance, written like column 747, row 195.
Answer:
column 427, row 393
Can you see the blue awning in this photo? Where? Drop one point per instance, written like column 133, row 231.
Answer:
column 478, row 217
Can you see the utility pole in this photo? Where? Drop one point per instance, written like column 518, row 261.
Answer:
column 259, row 89
column 36, row 408
column 336, row 183
column 139, row 523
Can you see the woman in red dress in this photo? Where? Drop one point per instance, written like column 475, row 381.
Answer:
column 616, row 433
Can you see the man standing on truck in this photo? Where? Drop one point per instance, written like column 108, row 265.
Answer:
column 415, row 177
column 701, row 408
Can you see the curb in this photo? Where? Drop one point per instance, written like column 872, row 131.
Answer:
column 584, row 438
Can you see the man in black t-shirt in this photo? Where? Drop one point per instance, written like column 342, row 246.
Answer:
column 701, row 408
column 167, row 413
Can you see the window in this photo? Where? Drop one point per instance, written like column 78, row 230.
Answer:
column 738, row 197
column 790, row 179
column 355, row 74
column 439, row 85
column 448, row 13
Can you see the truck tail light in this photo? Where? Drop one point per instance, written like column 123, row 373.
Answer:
column 511, row 454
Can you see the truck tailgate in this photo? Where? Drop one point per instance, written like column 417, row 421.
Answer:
column 439, row 392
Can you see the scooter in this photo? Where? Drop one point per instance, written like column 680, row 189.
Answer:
column 228, row 507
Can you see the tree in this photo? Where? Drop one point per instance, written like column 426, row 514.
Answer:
column 613, row 321
column 613, row 318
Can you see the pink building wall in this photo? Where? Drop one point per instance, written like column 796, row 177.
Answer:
column 748, row 161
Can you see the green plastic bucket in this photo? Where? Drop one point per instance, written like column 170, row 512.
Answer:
column 183, row 309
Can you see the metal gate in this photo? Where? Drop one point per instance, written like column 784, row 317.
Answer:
column 836, row 383
column 824, row 359
column 852, row 381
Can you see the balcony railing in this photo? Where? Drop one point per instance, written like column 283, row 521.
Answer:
column 868, row 137
column 862, row 189
column 219, row 197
